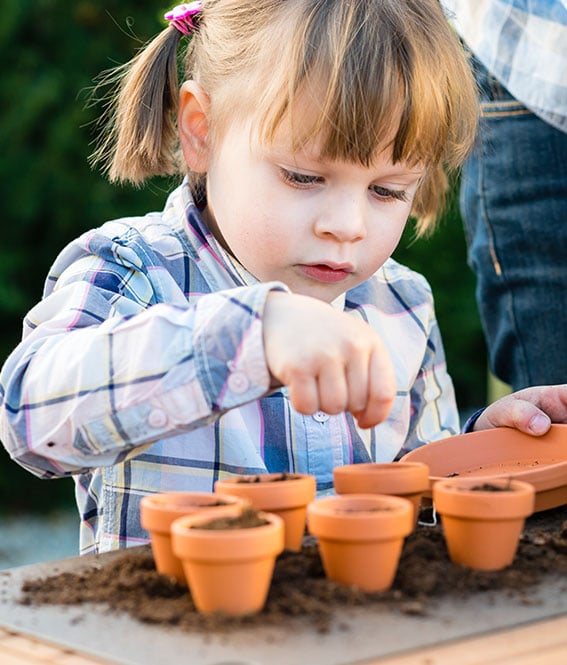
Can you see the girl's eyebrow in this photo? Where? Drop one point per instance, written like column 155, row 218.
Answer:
column 309, row 159
column 386, row 170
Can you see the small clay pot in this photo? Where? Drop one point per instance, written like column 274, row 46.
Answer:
column 406, row 479
column 360, row 537
column 158, row 511
column 286, row 494
column 502, row 452
column 228, row 570
column 483, row 519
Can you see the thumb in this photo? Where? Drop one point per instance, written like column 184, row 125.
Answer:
column 515, row 412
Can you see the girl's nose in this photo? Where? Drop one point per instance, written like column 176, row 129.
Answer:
column 342, row 219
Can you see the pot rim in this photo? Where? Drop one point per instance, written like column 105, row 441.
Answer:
column 382, row 477
column 293, row 492
column 354, row 517
column 226, row 544
column 453, row 497
column 158, row 511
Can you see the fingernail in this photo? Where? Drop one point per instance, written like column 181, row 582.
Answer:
column 539, row 424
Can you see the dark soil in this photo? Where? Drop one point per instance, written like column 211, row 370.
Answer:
column 267, row 479
column 299, row 590
column 489, row 487
column 248, row 519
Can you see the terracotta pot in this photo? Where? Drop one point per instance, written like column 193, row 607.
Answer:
column 228, row 570
column 158, row 511
column 406, row 479
column 502, row 452
column 360, row 537
column 482, row 527
column 287, row 495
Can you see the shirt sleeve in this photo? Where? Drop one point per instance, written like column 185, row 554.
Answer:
column 106, row 369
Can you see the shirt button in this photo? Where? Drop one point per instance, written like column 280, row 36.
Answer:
column 321, row 417
column 238, row 383
column 157, row 419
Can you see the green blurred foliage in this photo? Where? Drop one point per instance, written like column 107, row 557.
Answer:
column 51, row 50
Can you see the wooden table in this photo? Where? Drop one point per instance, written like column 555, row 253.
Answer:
column 540, row 643
column 489, row 628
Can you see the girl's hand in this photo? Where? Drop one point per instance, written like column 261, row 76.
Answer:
column 329, row 361
column 531, row 410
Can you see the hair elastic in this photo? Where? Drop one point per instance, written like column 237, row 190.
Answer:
column 180, row 16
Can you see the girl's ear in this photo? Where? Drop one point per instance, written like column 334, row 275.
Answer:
column 194, row 126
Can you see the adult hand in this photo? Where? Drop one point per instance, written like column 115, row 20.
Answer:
column 329, row 361
column 531, row 410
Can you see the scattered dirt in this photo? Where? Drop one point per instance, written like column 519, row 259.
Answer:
column 130, row 583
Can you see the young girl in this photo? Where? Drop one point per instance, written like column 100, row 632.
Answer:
column 257, row 323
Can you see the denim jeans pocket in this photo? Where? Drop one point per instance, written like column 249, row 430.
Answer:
column 495, row 99
column 503, row 108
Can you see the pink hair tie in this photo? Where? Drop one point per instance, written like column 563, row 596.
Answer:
column 181, row 16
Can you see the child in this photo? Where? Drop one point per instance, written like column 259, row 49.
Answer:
column 257, row 323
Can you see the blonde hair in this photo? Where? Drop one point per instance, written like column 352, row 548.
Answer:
column 373, row 70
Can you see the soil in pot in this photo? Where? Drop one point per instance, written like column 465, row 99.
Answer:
column 268, row 478
column 248, row 519
column 285, row 494
column 490, row 487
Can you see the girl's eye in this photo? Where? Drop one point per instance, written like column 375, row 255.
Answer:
column 299, row 179
column 389, row 194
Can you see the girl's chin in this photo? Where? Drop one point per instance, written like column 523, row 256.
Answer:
column 325, row 294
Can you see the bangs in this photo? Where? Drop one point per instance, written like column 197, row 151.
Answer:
column 365, row 93
column 358, row 77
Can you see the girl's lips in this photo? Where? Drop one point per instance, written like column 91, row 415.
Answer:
column 324, row 273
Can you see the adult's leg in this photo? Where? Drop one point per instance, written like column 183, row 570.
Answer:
column 514, row 207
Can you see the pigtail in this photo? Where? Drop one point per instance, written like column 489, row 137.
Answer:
column 139, row 138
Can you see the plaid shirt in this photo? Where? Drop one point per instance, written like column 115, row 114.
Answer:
column 142, row 370
column 523, row 43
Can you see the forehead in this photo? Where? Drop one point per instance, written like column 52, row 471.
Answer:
column 306, row 128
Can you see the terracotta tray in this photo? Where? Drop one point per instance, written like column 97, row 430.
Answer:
column 506, row 453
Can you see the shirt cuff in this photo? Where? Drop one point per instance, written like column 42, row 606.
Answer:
column 229, row 347
column 469, row 425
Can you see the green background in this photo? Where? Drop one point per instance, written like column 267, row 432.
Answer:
column 50, row 53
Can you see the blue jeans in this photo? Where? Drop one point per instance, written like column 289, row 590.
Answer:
column 514, row 206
